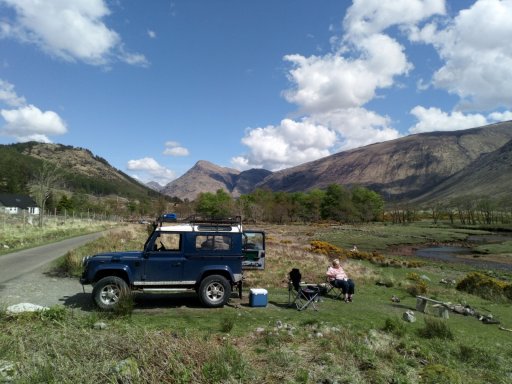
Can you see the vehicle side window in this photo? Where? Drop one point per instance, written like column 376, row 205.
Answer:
column 168, row 242
column 213, row 242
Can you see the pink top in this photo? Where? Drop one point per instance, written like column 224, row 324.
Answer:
column 336, row 273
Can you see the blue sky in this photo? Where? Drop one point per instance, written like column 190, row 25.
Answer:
column 154, row 86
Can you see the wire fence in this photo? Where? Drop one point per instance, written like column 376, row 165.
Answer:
column 21, row 230
column 53, row 219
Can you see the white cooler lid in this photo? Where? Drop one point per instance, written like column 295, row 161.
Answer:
column 258, row 291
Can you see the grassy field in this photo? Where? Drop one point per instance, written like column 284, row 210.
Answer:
column 16, row 234
column 173, row 339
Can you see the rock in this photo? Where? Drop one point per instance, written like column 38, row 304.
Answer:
column 100, row 325
column 8, row 371
column 25, row 307
column 126, row 371
column 260, row 330
column 279, row 324
column 409, row 316
column 395, row 299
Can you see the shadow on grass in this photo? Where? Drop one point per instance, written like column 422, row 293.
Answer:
column 145, row 301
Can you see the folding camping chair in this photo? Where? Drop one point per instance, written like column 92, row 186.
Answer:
column 304, row 295
column 338, row 292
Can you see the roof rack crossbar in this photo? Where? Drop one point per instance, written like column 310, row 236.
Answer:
column 197, row 220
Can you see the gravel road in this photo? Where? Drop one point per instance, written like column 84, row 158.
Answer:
column 25, row 276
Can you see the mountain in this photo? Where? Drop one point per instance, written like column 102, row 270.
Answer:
column 407, row 167
column 489, row 175
column 207, row 177
column 81, row 171
column 154, row 186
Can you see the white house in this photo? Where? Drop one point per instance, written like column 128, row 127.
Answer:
column 13, row 203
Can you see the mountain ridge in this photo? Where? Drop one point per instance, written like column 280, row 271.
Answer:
column 405, row 168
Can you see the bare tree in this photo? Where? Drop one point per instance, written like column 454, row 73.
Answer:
column 44, row 181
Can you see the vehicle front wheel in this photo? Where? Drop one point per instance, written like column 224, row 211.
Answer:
column 108, row 291
column 214, row 291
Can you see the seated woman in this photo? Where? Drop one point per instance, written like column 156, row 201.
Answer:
column 339, row 279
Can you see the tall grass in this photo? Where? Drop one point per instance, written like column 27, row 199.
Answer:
column 16, row 234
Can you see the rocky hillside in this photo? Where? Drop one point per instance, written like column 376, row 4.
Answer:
column 489, row 175
column 207, row 177
column 403, row 168
column 81, row 171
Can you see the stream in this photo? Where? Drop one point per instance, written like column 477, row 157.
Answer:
column 465, row 255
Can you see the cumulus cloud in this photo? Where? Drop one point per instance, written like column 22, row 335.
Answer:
column 290, row 143
column 357, row 126
column 72, row 30
column 368, row 17
column 151, row 34
column 334, row 81
column 26, row 122
column 9, row 96
column 477, row 54
column 148, row 168
column 332, row 91
column 173, row 148
column 434, row 119
column 29, row 123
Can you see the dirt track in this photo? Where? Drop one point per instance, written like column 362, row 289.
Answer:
column 25, row 278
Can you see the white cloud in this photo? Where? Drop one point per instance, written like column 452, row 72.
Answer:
column 290, row 143
column 72, row 30
column 334, row 81
column 433, row 119
column 477, row 54
column 151, row 34
column 9, row 96
column 369, row 17
column 173, row 148
column 30, row 123
column 500, row 116
column 357, row 127
column 148, row 169
column 331, row 91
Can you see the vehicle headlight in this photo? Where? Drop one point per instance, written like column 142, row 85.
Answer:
column 85, row 260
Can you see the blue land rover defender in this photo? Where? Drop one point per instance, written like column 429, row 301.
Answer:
column 207, row 256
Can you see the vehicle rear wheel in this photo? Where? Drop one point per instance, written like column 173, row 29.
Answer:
column 214, row 291
column 108, row 291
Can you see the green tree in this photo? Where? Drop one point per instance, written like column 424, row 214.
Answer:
column 337, row 204
column 369, row 204
column 65, row 205
column 219, row 204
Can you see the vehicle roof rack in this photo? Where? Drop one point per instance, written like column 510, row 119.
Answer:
column 215, row 222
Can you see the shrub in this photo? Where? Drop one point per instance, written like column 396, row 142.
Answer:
column 420, row 288
column 395, row 326
column 436, row 329
column 413, row 276
column 508, row 291
column 485, row 286
column 439, row 374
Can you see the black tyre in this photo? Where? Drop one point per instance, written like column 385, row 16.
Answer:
column 214, row 291
column 108, row 291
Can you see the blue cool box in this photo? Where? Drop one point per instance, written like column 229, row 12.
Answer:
column 258, row 297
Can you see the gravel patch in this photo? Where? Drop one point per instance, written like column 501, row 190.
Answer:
column 42, row 288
